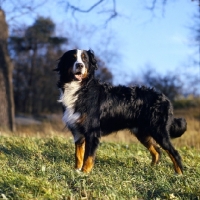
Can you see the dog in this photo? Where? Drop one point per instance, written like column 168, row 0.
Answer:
column 93, row 109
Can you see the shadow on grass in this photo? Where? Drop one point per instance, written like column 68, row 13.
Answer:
column 19, row 151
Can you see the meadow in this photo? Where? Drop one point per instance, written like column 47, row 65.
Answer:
column 37, row 163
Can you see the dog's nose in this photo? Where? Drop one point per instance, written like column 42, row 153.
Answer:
column 79, row 65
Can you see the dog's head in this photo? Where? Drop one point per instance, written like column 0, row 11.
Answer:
column 76, row 65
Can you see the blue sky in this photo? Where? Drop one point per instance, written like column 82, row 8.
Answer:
column 135, row 39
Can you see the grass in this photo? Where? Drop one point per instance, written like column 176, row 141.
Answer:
column 42, row 168
column 37, row 163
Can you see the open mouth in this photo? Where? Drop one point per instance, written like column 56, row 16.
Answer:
column 78, row 76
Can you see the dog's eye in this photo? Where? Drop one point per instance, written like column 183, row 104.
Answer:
column 74, row 57
column 83, row 57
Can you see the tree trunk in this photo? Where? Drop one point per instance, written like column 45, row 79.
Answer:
column 6, row 85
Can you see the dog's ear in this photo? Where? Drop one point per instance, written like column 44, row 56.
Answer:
column 57, row 69
column 92, row 58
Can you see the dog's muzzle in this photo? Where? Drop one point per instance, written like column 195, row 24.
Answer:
column 79, row 66
column 79, row 71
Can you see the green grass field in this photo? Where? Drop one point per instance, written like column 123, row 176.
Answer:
column 42, row 168
column 37, row 162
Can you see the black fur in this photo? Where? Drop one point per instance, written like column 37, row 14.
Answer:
column 104, row 109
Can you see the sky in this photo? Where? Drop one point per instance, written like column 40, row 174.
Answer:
column 132, row 42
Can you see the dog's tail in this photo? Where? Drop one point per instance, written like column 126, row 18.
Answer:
column 178, row 127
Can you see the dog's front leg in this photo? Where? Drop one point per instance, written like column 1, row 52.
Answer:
column 79, row 153
column 91, row 144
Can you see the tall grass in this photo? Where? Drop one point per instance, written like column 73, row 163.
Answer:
column 53, row 126
column 192, row 136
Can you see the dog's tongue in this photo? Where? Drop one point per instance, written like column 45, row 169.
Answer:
column 78, row 76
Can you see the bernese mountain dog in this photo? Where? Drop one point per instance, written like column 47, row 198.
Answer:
column 93, row 109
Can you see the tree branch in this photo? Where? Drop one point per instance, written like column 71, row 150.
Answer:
column 152, row 7
column 20, row 8
column 113, row 12
column 75, row 9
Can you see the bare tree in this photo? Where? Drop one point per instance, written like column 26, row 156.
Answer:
column 103, row 73
column 6, row 87
column 110, row 11
column 169, row 84
column 7, row 111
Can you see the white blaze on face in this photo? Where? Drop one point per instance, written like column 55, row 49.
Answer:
column 79, row 60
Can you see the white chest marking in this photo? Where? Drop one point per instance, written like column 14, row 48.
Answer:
column 68, row 99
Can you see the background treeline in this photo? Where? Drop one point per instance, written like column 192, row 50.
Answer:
column 35, row 51
column 28, row 54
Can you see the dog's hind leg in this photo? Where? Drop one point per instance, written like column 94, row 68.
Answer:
column 91, row 144
column 153, row 148
column 165, row 143
column 79, row 153
column 176, row 159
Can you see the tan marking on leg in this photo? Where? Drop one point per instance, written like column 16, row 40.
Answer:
column 79, row 154
column 151, row 145
column 88, row 164
column 155, row 155
column 176, row 167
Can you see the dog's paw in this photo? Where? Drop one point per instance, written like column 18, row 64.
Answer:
column 78, row 171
